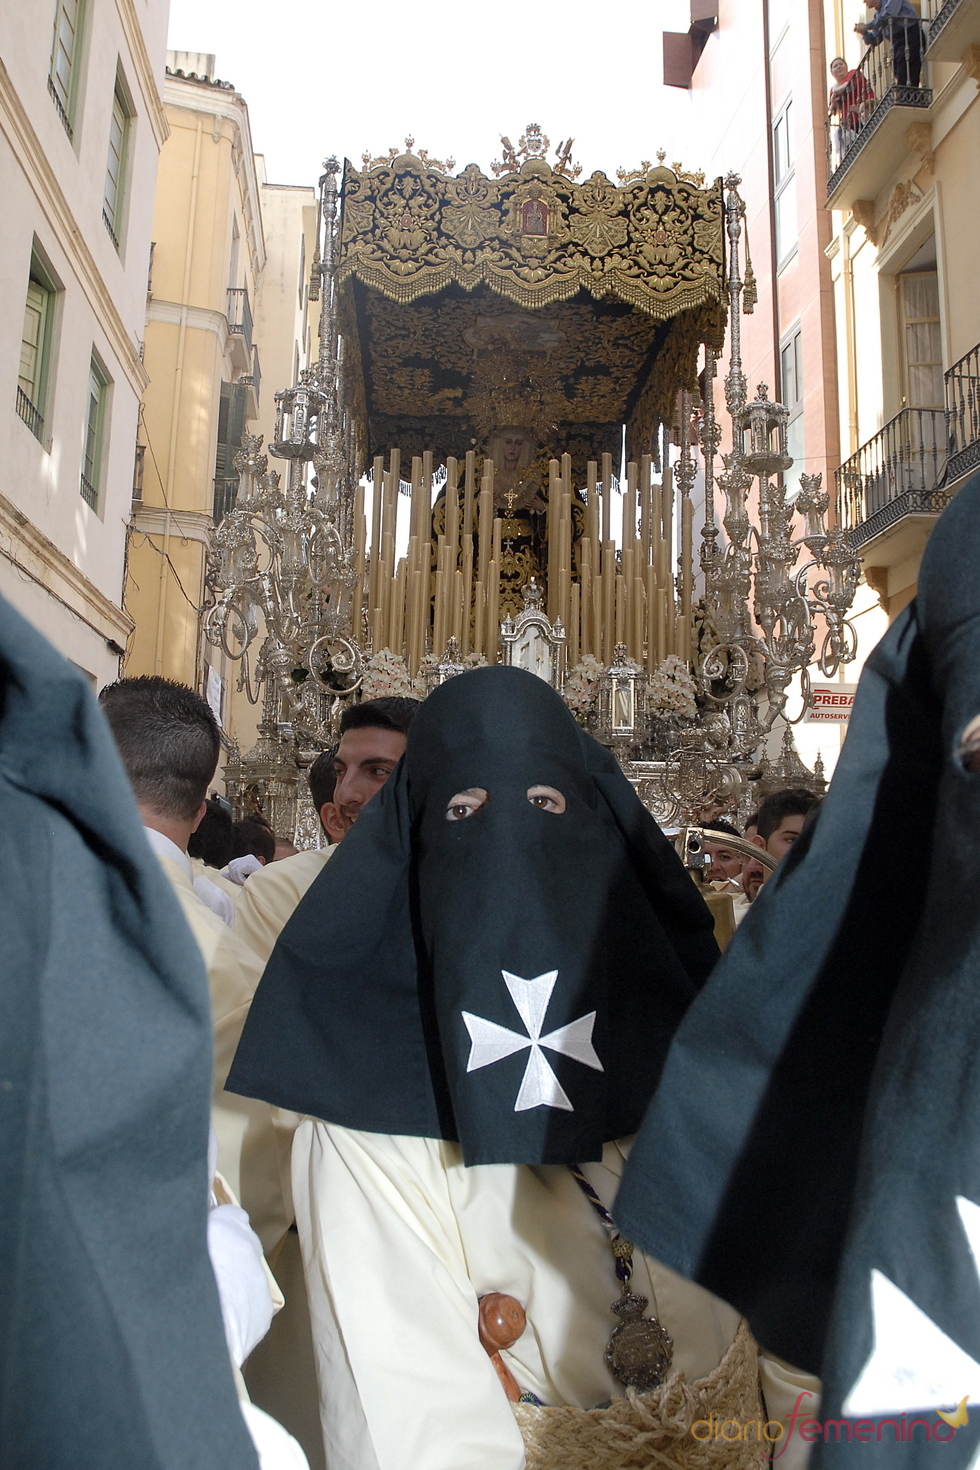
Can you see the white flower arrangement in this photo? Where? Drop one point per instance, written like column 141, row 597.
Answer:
column 671, row 691
column 582, row 686
column 385, row 677
column 422, row 684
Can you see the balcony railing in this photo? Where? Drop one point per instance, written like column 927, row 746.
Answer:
column 32, row 416
column 88, row 491
column 963, row 415
column 253, row 379
column 951, row 27
column 59, row 109
column 889, row 76
column 240, row 314
column 225, row 495
column 897, row 473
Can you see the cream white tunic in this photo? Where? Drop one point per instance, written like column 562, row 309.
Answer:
column 268, row 899
column 400, row 1241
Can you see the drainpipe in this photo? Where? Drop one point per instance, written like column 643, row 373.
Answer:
column 777, row 391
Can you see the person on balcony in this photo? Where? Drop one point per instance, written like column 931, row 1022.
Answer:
column 849, row 106
column 898, row 19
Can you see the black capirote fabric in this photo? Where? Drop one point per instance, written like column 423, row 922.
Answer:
column 361, row 1016
column 113, row 1351
column 818, row 1117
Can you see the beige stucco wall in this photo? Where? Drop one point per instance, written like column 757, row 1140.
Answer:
column 931, row 189
column 210, row 186
column 207, row 188
column 61, row 563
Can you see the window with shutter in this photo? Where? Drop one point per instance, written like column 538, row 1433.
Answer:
column 95, row 434
column 63, row 74
column 115, row 167
column 922, row 339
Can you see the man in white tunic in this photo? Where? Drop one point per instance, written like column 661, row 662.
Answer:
column 342, row 781
column 168, row 740
column 477, row 995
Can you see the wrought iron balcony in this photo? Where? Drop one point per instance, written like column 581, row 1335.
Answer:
column 866, row 127
column 59, row 109
column 253, row 382
column 240, row 316
column 32, row 416
column 963, row 415
column 225, row 495
column 88, row 491
column 952, row 27
column 897, row 473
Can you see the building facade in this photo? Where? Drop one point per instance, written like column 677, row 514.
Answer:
column 226, row 325
column 81, row 128
column 758, row 80
column 903, row 189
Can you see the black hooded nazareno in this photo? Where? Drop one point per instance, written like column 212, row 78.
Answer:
column 364, row 1014
column 113, row 1353
column 818, row 1119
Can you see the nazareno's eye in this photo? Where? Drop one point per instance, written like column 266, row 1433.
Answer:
column 546, row 799
column 465, row 804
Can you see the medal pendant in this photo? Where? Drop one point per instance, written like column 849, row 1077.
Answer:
column 640, row 1351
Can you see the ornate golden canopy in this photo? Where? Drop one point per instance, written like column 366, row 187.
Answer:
column 570, row 308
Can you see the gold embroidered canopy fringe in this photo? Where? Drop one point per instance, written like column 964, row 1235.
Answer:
column 442, row 273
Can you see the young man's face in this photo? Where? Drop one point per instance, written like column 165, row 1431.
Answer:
column 784, row 836
column 364, row 761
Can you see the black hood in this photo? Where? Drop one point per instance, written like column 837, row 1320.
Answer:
column 813, row 1153
column 510, row 980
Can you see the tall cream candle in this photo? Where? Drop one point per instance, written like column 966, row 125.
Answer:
column 485, row 530
column 464, row 646
column 452, row 509
column 458, row 608
column 396, row 627
column 574, row 625
column 493, row 612
column 469, row 494
column 593, row 529
column 650, row 581
column 377, row 496
column 360, row 552
column 608, row 604
column 479, row 611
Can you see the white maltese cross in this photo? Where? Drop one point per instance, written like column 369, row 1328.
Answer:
column 491, row 1043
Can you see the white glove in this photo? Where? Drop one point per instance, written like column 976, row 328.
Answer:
column 219, row 903
column 236, row 1259
column 276, row 1448
column 239, row 868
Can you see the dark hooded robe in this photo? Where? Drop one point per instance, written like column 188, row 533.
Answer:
column 113, row 1351
column 813, row 1152
column 360, row 1017
column 467, row 1006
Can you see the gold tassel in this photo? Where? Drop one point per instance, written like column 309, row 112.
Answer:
column 750, row 293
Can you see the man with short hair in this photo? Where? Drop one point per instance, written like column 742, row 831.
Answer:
column 168, row 740
column 754, row 874
column 372, row 742
column 270, row 896
column 281, row 1375
column 342, row 782
column 781, row 819
column 899, row 20
column 725, row 862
